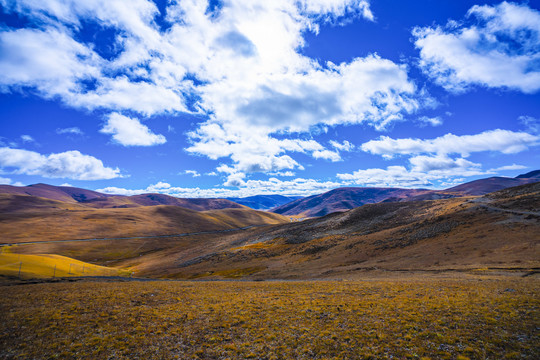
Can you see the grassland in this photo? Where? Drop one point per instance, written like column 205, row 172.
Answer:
column 407, row 319
column 49, row 266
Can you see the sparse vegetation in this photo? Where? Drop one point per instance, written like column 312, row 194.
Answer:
column 408, row 319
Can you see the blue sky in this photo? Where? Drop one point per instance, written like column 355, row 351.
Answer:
column 198, row 98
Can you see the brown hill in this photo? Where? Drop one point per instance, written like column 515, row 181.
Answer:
column 94, row 199
column 60, row 193
column 343, row 199
column 25, row 218
column 495, row 232
column 475, row 234
column 485, row 186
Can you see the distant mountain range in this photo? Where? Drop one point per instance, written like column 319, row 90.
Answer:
column 94, row 199
column 343, row 199
column 336, row 200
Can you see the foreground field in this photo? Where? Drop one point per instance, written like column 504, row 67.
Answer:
column 413, row 318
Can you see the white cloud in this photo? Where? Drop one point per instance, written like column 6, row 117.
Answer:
column 27, row 138
column 282, row 173
column 509, row 167
column 68, row 164
column 433, row 121
column 392, row 176
column 442, row 164
column 298, row 187
column 333, row 9
column 505, row 141
column 327, row 155
column 345, row 146
column 130, row 132
column 424, row 172
column 5, row 181
column 495, row 46
column 531, row 124
column 242, row 67
column 193, row 173
column 70, row 130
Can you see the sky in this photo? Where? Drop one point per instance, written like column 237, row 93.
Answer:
column 232, row 98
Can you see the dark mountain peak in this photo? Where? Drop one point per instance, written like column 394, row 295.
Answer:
column 535, row 174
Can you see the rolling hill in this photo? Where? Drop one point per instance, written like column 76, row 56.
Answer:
column 343, row 199
column 473, row 234
column 26, row 218
column 495, row 231
column 94, row 199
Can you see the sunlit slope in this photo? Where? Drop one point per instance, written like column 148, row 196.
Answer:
column 240, row 217
column 28, row 218
column 497, row 231
column 47, row 266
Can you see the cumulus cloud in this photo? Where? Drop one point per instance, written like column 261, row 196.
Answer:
column 494, row 46
column 70, row 131
column 430, row 160
column 251, row 84
column 504, row 141
column 424, row 172
column 345, row 146
column 68, row 164
column 130, row 132
column 297, row 187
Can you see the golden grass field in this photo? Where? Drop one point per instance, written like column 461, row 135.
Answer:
column 50, row 265
column 481, row 318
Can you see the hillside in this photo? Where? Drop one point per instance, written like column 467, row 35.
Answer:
column 344, row 199
column 485, row 186
column 30, row 218
column 469, row 234
column 94, row 199
column 499, row 230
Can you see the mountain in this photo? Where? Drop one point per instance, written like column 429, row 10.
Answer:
column 60, row 193
column 468, row 234
column 491, row 184
column 26, row 218
column 530, row 175
column 461, row 235
column 264, row 202
column 94, row 199
column 343, row 199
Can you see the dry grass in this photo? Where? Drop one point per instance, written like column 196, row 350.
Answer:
column 412, row 319
column 49, row 265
